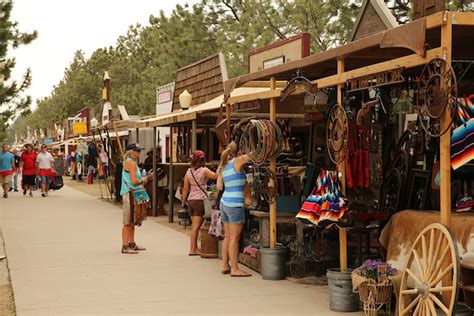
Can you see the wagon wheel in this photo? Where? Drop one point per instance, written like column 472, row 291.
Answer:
column 433, row 260
column 337, row 131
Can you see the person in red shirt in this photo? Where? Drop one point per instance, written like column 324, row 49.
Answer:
column 27, row 163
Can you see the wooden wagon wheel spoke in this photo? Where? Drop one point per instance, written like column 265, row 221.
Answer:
column 442, row 275
column 432, row 307
column 411, row 305
column 439, row 303
column 417, row 309
column 409, row 292
column 435, row 280
column 412, row 274
column 419, row 267
column 439, row 264
column 437, row 247
column 441, row 289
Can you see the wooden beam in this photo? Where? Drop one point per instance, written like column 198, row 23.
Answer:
column 342, row 168
column 264, row 84
column 273, row 211
column 153, row 192
column 435, row 20
column 445, row 151
column 410, row 61
column 462, row 18
column 254, row 96
column 194, row 136
column 445, row 141
column 170, row 180
column 407, row 62
column 261, row 115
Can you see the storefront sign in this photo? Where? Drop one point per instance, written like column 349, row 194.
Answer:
column 385, row 78
column 47, row 140
column 79, row 128
column 247, row 106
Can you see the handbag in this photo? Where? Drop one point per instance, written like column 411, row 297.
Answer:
column 207, row 200
column 216, row 229
column 139, row 201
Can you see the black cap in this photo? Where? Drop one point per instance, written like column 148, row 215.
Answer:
column 135, row 147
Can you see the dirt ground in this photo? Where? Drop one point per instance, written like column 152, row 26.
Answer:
column 7, row 301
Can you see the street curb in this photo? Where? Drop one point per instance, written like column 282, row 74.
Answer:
column 7, row 300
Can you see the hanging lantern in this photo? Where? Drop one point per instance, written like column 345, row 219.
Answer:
column 185, row 99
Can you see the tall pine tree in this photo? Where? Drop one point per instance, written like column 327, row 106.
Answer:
column 13, row 100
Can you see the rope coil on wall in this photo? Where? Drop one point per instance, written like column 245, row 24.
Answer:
column 261, row 140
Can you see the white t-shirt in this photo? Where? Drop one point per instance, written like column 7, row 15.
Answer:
column 44, row 160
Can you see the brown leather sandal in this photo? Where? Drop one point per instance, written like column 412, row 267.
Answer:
column 129, row 251
column 134, row 246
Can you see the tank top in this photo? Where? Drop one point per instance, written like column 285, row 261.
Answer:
column 195, row 193
column 127, row 181
column 234, row 183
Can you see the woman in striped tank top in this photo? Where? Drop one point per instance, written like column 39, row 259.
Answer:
column 232, row 208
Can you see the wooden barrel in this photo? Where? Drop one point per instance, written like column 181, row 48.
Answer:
column 208, row 244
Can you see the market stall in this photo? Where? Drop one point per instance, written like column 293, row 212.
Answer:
column 370, row 77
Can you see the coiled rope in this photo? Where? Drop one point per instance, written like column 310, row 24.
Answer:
column 261, row 140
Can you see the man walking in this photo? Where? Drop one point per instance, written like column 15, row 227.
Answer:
column 45, row 167
column 16, row 170
column 28, row 164
column 7, row 165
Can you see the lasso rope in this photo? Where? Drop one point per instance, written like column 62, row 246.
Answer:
column 261, row 140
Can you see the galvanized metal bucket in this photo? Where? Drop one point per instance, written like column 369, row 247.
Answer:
column 341, row 297
column 272, row 263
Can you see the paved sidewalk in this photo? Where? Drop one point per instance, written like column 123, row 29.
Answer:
column 64, row 257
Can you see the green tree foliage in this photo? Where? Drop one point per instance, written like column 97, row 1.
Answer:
column 13, row 100
column 148, row 56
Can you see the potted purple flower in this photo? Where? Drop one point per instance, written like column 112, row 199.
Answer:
column 373, row 279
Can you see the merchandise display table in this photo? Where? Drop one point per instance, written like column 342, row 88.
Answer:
column 263, row 219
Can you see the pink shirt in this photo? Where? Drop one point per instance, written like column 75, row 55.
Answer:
column 195, row 193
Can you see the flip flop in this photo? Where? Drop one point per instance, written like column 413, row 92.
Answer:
column 241, row 275
column 194, row 254
column 225, row 271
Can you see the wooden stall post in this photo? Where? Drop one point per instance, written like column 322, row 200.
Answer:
column 342, row 168
column 170, row 180
column 445, row 150
column 227, row 123
column 194, row 136
column 273, row 211
column 153, row 192
column 445, row 141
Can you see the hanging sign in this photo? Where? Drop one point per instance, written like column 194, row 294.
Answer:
column 79, row 128
column 380, row 79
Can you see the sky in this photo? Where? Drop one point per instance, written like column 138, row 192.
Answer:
column 65, row 26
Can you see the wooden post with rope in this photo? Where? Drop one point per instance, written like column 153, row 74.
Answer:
column 342, row 169
column 271, row 184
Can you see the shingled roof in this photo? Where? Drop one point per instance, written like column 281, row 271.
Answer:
column 203, row 79
column 374, row 16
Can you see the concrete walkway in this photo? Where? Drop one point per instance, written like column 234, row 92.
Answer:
column 64, row 256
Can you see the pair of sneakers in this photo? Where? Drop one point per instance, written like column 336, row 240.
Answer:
column 44, row 194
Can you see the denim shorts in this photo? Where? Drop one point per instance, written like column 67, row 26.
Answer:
column 46, row 180
column 232, row 215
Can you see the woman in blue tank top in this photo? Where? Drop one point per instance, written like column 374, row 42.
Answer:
column 131, row 179
column 232, row 208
